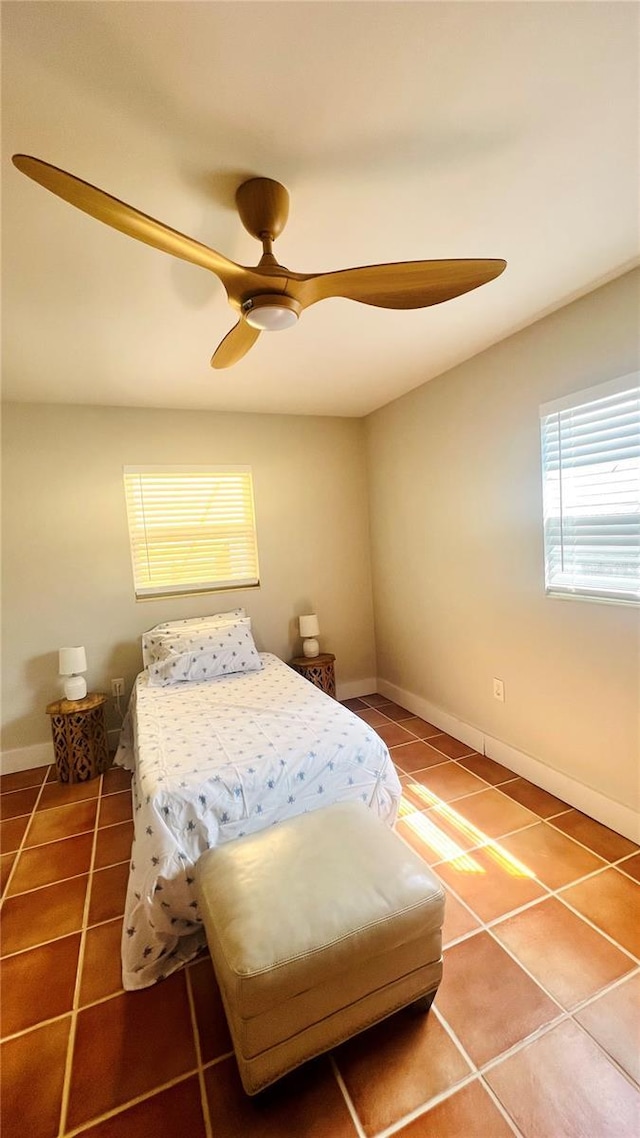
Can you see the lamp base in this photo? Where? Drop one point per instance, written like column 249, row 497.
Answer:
column 310, row 647
column 75, row 687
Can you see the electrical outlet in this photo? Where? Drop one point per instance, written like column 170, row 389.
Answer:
column 117, row 687
column 498, row 689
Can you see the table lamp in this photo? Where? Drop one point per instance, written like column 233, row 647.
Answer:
column 72, row 662
column 309, row 631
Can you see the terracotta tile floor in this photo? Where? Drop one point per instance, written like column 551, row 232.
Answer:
column 535, row 1030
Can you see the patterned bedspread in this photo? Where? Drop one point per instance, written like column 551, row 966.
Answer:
column 215, row 760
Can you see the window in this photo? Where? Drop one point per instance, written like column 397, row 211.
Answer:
column 591, row 485
column 191, row 528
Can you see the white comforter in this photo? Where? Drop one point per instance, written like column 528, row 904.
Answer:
column 220, row 759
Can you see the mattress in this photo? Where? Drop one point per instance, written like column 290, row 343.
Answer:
column 214, row 761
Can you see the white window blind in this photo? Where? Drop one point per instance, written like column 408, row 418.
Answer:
column 191, row 528
column 591, row 485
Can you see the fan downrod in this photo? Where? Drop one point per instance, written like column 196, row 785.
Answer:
column 263, row 206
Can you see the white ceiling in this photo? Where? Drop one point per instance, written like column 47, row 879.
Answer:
column 402, row 130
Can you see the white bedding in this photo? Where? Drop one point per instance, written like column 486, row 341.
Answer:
column 215, row 760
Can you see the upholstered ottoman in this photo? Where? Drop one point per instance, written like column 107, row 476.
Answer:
column 317, row 927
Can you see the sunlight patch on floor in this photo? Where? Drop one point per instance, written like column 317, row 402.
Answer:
column 427, row 830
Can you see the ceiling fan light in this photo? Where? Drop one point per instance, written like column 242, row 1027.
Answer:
column 271, row 313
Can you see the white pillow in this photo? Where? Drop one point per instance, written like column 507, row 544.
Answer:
column 232, row 614
column 223, row 651
column 162, row 635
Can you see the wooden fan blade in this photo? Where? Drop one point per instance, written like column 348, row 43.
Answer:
column 405, row 284
column 235, row 345
column 128, row 220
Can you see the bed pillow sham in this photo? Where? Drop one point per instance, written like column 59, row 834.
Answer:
column 194, row 621
column 224, row 651
column 163, row 635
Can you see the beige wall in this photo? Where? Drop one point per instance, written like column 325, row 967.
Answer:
column 66, row 567
column 457, row 553
column 455, row 544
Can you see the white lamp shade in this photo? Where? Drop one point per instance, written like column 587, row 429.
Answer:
column 309, row 625
column 72, row 661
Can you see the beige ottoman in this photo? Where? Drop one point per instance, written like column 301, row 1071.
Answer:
column 317, row 927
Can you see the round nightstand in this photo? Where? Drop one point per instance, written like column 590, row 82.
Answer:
column 318, row 670
column 79, row 737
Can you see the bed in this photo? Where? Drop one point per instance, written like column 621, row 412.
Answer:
column 219, row 758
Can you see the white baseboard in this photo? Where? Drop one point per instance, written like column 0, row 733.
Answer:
column 456, row 727
column 354, row 688
column 41, row 754
column 614, row 814
column 25, row 758
column 592, row 802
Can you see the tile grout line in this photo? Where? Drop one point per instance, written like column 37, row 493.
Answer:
column 24, row 837
column 516, row 913
column 532, row 1037
column 546, row 1029
column 617, row 983
column 346, row 1096
column 461, row 939
column 109, row 826
column 497, row 787
column 567, row 1014
column 55, row 782
column 204, row 1100
column 61, row 1015
column 43, row 943
column 32, row 1027
column 418, row 1111
column 30, row 786
column 500, row 1106
column 65, row 806
column 481, row 1068
column 446, row 1026
column 615, row 1062
column 66, row 1087
column 490, row 841
column 218, row 1059
column 474, row 793
column 72, row 877
column 505, row 948
column 617, row 944
column 588, row 848
column 41, row 845
column 466, row 794
column 488, row 786
column 123, row 1107
column 629, row 876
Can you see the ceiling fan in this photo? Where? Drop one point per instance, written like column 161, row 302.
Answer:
column 269, row 297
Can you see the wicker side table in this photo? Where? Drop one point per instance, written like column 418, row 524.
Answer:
column 318, row 670
column 79, row 737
